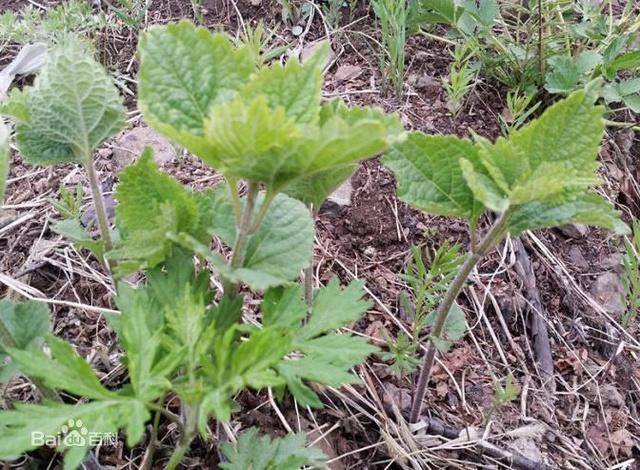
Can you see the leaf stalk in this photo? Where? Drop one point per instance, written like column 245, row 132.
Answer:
column 495, row 234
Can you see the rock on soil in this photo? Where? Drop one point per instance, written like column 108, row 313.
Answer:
column 130, row 144
column 607, row 291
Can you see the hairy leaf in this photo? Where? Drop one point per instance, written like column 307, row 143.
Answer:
column 184, row 71
column 427, row 169
column 72, row 108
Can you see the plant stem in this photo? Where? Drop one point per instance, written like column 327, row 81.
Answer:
column 308, row 272
column 188, row 433
column 98, row 203
column 151, row 448
column 490, row 240
column 243, row 230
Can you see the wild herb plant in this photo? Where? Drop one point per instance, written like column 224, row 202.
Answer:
column 132, row 12
column 631, row 275
column 392, row 16
column 264, row 126
column 71, row 109
column 520, row 107
column 69, row 204
column 33, row 24
column 263, row 453
column 537, row 177
column 461, row 79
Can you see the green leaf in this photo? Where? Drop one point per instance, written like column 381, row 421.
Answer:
column 72, row 108
column 627, row 61
column 553, row 154
column 4, row 158
column 74, row 231
column 152, row 206
column 429, row 176
column 275, row 254
column 294, row 87
column 589, row 209
column 263, row 453
column 24, row 326
column 184, row 71
column 140, row 336
column 328, row 356
column 65, row 370
column 26, row 426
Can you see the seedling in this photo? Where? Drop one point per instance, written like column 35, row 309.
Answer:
column 537, row 177
column 392, row 16
column 70, row 110
column 631, row 275
column 261, row 127
column 263, row 453
column 462, row 74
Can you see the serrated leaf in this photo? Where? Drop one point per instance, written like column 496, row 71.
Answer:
column 98, row 418
column 275, row 254
column 627, row 61
column 74, row 231
column 263, row 453
column 429, row 177
column 184, row 71
column 65, row 370
column 152, row 205
column 26, row 324
column 72, row 108
column 589, row 209
column 328, row 356
column 294, row 87
column 544, row 159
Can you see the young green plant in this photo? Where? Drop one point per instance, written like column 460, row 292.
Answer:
column 71, row 109
column 392, row 16
column 537, row 177
column 261, row 127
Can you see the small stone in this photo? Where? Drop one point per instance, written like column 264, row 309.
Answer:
column 346, row 73
column 607, row 291
column 611, row 395
column 577, row 259
column 574, row 230
column 130, row 144
column 342, row 195
column 527, row 447
column 613, row 261
column 429, row 85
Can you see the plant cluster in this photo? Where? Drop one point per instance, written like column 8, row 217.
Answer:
column 34, row 24
column 279, row 147
column 281, row 150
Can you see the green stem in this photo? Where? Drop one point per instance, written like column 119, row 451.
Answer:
column 491, row 239
column 151, row 448
column 622, row 125
column 188, row 433
column 243, row 230
column 308, row 272
column 98, row 202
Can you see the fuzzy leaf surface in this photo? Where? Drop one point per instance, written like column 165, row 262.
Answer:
column 429, row 176
column 184, row 71
column 72, row 108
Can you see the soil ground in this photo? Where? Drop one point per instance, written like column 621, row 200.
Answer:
column 591, row 421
